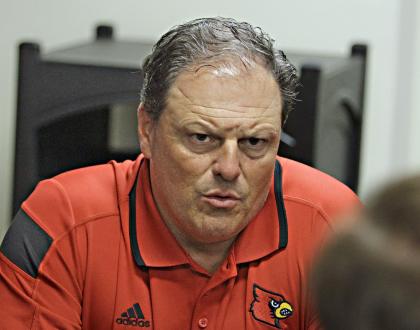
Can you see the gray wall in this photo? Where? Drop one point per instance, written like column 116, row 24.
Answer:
column 390, row 146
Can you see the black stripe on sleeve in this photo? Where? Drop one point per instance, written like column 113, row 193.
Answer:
column 25, row 243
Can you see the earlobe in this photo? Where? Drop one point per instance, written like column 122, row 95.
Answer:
column 144, row 130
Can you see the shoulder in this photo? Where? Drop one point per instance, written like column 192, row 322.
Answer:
column 62, row 215
column 309, row 187
column 75, row 197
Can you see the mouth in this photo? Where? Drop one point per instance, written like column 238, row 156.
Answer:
column 222, row 199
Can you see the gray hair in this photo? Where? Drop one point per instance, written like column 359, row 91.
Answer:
column 205, row 40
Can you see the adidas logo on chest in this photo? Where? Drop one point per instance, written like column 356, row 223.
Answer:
column 133, row 317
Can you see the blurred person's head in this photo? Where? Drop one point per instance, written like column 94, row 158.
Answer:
column 368, row 276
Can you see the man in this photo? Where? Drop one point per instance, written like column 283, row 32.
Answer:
column 206, row 229
column 368, row 276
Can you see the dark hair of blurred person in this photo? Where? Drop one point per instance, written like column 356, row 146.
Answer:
column 368, row 276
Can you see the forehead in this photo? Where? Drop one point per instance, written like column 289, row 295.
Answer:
column 226, row 91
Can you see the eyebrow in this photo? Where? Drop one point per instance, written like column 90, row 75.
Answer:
column 248, row 131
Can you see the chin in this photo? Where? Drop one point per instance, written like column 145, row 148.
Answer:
column 219, row 232
column 214, row 239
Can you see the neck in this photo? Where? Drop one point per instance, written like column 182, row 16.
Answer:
column 208, row 255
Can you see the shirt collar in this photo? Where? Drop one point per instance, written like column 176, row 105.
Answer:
column 153, row 245
column 267, row 232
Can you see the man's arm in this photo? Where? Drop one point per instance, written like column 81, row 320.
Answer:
column 41, row 269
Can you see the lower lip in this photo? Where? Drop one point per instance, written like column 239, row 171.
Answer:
column 221, row 203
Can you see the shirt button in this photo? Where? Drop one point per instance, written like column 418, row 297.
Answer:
column 203, row 322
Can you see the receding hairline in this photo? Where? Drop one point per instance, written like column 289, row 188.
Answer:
column 202, row 41
column 216, row 67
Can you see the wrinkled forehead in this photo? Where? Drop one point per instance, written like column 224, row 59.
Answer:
column 229, row 64
column 227, row 82
column 226, row 90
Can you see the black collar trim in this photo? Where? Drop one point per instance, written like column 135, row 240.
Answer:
column 133, row 225
column 281, row 211
column 281, row 214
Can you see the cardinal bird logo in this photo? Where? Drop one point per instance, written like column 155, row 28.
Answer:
column 269, row 307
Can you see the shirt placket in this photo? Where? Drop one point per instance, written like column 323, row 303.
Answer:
column 209, row 308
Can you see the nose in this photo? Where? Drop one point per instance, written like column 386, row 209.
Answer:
column 227, row 163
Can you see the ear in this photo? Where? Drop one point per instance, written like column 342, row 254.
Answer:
column 145, row 131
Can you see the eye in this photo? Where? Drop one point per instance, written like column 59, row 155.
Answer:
column 274, row 303
column 200, row 138
column 254, row 146
column 254, row 142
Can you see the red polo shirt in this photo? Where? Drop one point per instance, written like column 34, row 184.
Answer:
column 89, row 250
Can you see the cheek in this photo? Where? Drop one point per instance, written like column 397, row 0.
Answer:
column 262, row 181
column 260, row 173
column 259, row 182
column 182, row 171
